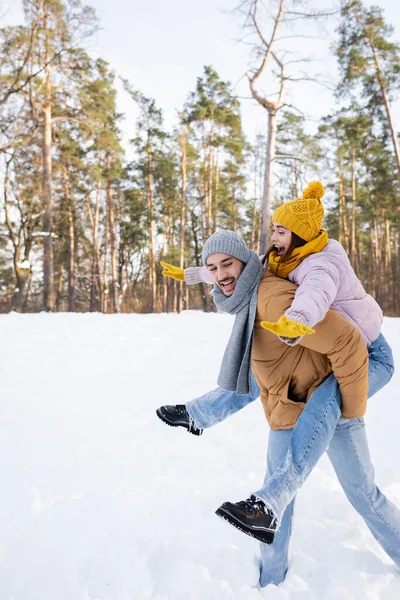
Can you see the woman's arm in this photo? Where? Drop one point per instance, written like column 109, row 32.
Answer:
column 316, row 293
column 197, row 275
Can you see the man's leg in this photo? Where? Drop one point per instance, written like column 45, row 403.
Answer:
column 274, row 557
column 219, row 404
column 314, row 430
column 349, row 455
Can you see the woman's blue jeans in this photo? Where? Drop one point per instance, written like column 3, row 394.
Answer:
column 292, row 458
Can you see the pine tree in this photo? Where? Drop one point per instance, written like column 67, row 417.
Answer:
column 213, row 113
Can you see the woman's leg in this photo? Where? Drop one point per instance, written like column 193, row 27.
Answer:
column 315, row 428
column 219, row 404
column 274, row 557
column 349, row 455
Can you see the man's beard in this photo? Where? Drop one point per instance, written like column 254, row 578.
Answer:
column 227, row 285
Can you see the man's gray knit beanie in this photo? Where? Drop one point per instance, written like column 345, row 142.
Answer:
column 228, row 242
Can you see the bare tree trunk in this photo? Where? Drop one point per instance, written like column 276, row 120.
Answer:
column 206, row 192
column 197, row 254
column 110, row 211
column 296, row 175
column 183, row 144
column 371, row 261
column 361, row 265
column 343, row 229
column 20, row 288
column 353, row 249
column 386, row 101
column 215, row 203
column 26, row 294
column 210, row 174
column 96, row 283
column 254, row 217
column 268, row 179
column 388, row 275
column 393, row 132
column 341, row 204
column 175, row 295
column 165, row 282
column 59, row 295
column 259, row 230
column 152, row 262
column 187, row 298
column 122, row 274
column 48, row 259
column 105, row 282
column 377, row 262
column 21, row 274
column 233, row 210
column 71, row 244
column 272, row 108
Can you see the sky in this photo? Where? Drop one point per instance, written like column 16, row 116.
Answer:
column 161, row 48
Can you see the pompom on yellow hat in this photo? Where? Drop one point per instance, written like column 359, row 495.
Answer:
column 303, row 216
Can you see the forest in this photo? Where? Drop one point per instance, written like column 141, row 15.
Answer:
column 84, row 224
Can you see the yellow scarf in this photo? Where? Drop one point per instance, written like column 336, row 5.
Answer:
column 283, row 268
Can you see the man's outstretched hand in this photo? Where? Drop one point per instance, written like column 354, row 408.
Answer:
column 171, row 271
column 287, row 328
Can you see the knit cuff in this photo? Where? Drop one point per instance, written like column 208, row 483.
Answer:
column 293, row 316
column 290, row 341
column 193, row 275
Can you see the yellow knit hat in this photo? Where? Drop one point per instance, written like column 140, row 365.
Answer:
column 303, row 216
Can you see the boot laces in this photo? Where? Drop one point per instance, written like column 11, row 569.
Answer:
column 253, row 504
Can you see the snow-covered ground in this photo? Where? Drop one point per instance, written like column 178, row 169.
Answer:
column 100, row 500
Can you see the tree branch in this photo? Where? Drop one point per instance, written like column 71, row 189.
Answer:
column 15, row 90
column 20, row 141
column 268, row 52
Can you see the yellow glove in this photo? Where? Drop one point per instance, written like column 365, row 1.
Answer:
column 287, row 328
column 174, row 272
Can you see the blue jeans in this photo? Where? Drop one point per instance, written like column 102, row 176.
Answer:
column 306, row 442
column 219, row 404
column 349, row 455
column 315, row 428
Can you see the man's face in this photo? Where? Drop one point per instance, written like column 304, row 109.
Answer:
column 225, row 271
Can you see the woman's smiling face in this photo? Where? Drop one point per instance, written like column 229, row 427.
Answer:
column 281, row 238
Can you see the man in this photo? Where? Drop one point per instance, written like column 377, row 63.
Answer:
column 287, row 377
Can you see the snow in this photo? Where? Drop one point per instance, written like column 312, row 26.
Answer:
column 100, row 500
column 25, row 264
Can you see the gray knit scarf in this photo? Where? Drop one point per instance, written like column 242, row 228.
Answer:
column 235, row 369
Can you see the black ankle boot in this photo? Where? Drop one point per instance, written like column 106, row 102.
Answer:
column 178, row 416
column 250, row 516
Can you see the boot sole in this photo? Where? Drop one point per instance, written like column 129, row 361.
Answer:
column 267, row 537
column 180, row 424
